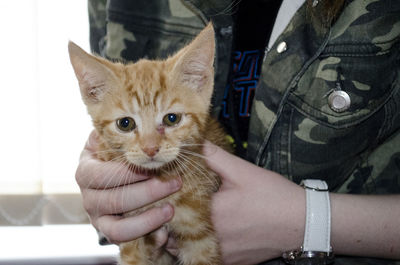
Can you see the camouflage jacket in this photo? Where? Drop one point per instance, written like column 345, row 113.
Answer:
column 293, row 130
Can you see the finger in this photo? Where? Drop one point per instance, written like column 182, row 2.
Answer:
column 92, row 144
column 160, row 237
column 172, row 246
column 129, row 197
column 225, row 164
column 96, row 174
column 118, row 229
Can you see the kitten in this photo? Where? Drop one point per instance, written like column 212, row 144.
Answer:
column 154, row 115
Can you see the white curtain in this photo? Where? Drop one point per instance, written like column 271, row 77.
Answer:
column 43, row 122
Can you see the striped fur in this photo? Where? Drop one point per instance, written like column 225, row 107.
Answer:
column 146, row 91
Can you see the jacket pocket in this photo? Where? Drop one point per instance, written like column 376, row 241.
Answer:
column 330, row 144
column 369, row 79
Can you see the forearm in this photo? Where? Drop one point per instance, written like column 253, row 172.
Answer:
column 366, row 225
column 259, row 214
column 362, row 225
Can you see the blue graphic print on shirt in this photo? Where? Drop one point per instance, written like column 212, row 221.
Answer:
column 239, row 93
column 244, row 82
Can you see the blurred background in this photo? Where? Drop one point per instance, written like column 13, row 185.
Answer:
column 43, row 127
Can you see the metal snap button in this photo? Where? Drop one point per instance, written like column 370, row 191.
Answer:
column 225, row 32
column 282, row 47
column 339, row 101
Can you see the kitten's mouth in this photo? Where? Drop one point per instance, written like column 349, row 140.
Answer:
column 149, row 169
column 146, row 172
column 147, row 164
column 152, row 164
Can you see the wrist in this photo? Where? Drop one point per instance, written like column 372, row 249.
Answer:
column 292, row 221
column 316, row 247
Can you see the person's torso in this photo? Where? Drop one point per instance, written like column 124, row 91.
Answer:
column 293, row 130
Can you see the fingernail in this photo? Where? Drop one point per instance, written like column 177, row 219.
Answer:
column 93, row 139
column 176, row 184
column 209, row 149
column 167, row 211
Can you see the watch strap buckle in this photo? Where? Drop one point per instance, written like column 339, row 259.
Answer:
column 300, row 257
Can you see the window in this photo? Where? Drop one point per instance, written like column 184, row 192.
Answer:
column 43, row 128
column 44, row 124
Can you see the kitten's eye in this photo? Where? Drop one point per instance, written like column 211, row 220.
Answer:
column 126, row 124
column 172, row 119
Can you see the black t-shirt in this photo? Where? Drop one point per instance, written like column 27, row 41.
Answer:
column 254, row 20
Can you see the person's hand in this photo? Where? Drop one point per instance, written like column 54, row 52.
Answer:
column 257, row 213
column 110, row 189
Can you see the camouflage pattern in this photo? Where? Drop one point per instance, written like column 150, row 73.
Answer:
column 97, row 23
column 130, row 30
column 293, row 131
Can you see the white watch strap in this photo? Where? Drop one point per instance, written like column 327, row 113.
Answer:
column 317, row 236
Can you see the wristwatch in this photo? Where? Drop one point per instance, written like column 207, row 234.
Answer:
column 316, row 248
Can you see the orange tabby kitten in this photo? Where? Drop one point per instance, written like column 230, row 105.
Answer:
column 154, row 115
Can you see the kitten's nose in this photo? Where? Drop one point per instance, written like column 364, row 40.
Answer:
column 151, row 150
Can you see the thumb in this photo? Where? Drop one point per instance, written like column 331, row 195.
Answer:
column 226, row 165
column 92, row 143
column 91, row 146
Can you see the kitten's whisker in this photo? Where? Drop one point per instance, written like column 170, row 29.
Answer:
column 193, row 167
column 194, row 178
column 124, row 190
column 185, row 174
column 191, row 175
column 109, row 150
column 185, row 151
column 200, row 169
column 191, row 144
column 120, row 170
column 192, row 162
column 105, row 166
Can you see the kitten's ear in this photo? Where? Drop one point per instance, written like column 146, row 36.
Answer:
column 94, row 75
column 193, row 65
